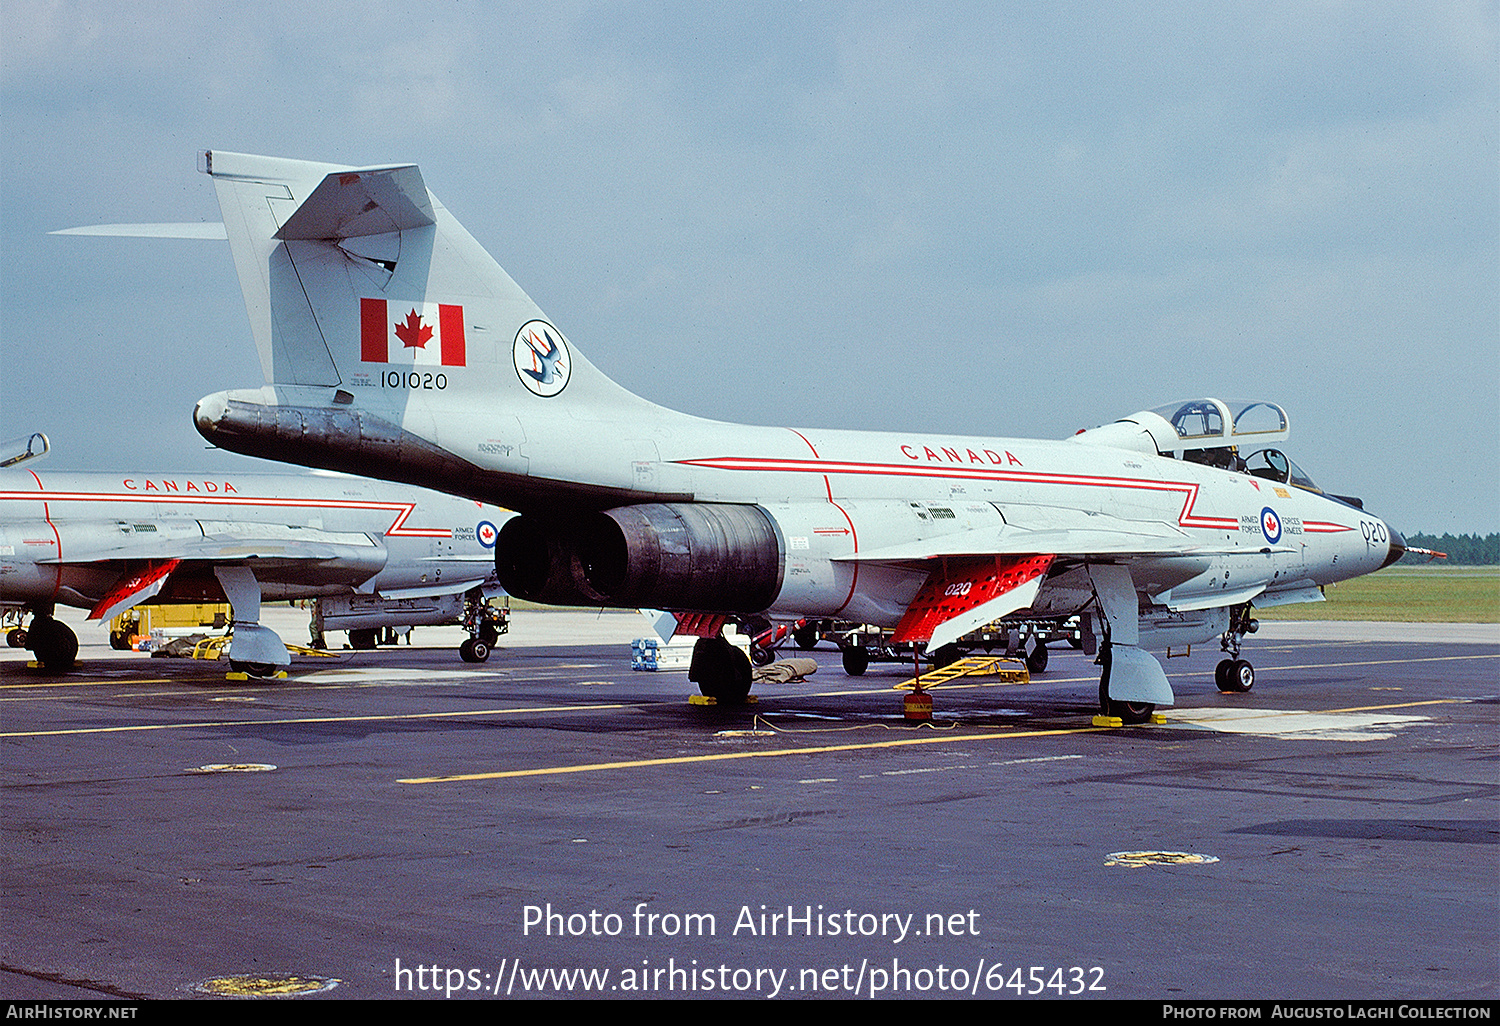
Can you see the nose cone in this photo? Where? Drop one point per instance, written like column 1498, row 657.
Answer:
column 1398, row 547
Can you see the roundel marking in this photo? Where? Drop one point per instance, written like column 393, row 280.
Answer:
column 543, row 362
column 1270, row 525
column 485, row 532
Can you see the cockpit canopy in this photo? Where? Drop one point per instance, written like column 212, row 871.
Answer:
column 28, row 447
column 1274, row 465
column 1204, row 423
column 1214, row 432
column 1199, row 424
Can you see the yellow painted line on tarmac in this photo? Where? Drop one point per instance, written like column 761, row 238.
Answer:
column 392, row 717
column 85, row 683
column 1400, row 705
column 681, row 760
column 271, row 688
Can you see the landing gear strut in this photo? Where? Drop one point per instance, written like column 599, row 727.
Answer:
column 1236, row 675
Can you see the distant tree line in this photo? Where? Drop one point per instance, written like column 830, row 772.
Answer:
column 1462, row 549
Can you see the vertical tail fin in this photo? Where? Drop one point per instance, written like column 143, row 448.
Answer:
column 393, row 345
column 352, row 273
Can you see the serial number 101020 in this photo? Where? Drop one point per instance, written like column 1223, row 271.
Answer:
column 412, row 379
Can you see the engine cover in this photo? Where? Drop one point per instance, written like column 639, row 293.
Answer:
column 684, row 556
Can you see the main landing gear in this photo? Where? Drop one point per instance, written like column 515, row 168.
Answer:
column 1126, row 712
column 53, row 642
column 1235, row 675
column 721, row 670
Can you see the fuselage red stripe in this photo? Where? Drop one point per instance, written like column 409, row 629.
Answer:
column 1185, row 518
column 402, row 510
column 47, row 516
column 853, row 534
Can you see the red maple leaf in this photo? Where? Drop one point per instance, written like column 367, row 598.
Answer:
column 413, row 334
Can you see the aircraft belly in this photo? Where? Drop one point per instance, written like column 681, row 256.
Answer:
column 1063, row 595
column 83, row 584
column 1161, row 628
column 883, row 595
column 1227, row 580
column 25, row 581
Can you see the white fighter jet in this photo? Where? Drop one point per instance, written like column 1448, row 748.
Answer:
column 395, row 346
column 365, row 550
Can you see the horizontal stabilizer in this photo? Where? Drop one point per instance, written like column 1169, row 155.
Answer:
column 184, row 230
column 349, row 204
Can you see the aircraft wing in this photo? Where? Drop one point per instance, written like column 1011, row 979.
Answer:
column 222, row 542
column 132, row 565
column 978, row 576
column 1052, row 529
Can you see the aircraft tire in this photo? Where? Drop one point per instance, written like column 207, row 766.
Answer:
column 1036, row 662
column 720, row 670
column 363, row 639
column 806, row 637
column 53, row 642
column 253, row 669
column 1239, row 676
column 1127, row 712
column 474, row 651
column 856, row 659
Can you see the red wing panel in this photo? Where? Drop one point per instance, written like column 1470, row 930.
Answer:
column 961, row 584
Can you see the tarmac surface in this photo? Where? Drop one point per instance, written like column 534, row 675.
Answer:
column 398, row 823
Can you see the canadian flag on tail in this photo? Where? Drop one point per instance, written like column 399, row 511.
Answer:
column 417, row 333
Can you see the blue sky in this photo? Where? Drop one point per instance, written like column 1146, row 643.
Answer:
column 992, row 219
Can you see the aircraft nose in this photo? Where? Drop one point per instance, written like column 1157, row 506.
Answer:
column 1398, row 547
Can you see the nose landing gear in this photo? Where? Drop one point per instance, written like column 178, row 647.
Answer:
column 1235, row 675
